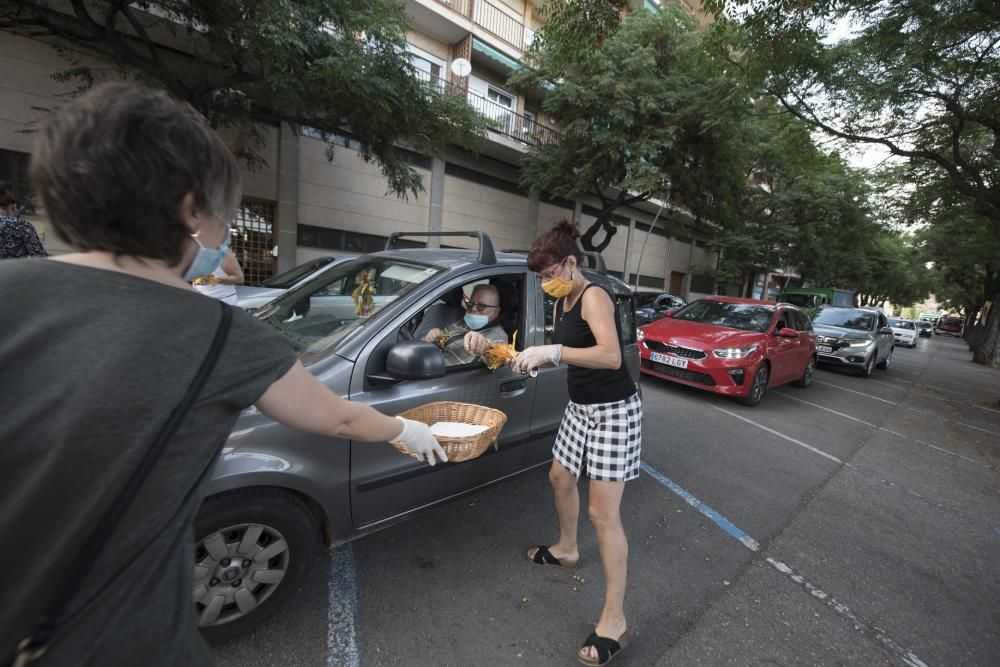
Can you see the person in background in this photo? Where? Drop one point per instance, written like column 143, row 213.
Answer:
column 18, row 237
column 601, row 429
column 466, row 339
column 142, row 187
column 221, row 283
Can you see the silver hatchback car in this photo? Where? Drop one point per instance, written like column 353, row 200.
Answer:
column 277, row 495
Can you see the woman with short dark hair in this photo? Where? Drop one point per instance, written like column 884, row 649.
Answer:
column 18, row 237
column 601, row 430
column 101, row 352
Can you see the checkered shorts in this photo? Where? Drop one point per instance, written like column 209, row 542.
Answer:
column 607, row 435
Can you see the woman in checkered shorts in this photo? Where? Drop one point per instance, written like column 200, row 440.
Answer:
column 601, row 430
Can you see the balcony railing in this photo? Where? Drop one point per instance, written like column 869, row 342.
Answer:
column 494, row 20
column 501, row 119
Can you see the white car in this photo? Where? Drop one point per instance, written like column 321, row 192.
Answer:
column 905, row 332
column 254, row 296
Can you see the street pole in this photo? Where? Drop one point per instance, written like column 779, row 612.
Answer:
column 638, row 265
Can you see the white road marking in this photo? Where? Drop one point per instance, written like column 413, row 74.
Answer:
column 341, row 633
column 881, row 428
column 859, row 393
column 907, row 657
column 984, row 430
column 872, row 474
column 781, row 435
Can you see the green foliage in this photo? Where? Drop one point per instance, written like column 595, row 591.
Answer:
column 332, row 65
column 806, row 209
column 918, row 77
column 964, row 247
column 644, row 110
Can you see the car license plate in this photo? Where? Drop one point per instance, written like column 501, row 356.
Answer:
column 679, row 362
column 824, row 348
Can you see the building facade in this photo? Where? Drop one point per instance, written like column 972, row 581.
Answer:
column 302, row 204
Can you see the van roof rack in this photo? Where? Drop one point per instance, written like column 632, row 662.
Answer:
column 594, row 258
column 486, row 254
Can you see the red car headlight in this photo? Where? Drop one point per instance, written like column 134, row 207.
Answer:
column 735, row 352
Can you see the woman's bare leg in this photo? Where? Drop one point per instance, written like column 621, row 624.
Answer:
column 567, row 498
column 604, row 511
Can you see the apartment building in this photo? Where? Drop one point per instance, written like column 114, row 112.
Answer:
column 305, row 205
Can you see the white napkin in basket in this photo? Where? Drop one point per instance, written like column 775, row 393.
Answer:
column 456, row 429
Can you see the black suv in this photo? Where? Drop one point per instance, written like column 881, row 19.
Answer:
column 651, row 306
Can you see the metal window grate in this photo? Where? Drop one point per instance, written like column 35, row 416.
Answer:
column 253, row 233
column 14, row 172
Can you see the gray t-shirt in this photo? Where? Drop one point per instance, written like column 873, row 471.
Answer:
column 91, row 364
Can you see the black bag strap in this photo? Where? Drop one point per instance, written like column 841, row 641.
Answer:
column 36, row 644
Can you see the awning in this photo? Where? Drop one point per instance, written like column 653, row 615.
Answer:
column 495, row 55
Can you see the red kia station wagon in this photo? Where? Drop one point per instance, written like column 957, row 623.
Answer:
column 732, row 346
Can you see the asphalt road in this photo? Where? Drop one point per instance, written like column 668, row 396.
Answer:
column 854, row 522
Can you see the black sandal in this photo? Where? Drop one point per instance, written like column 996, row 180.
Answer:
column 607, row 649
column 543, row 556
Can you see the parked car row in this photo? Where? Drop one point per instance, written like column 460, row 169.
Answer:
column 741, row 347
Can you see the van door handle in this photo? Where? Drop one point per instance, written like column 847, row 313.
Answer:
column 513, row 388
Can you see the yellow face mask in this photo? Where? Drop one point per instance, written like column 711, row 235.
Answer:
column 558, row 287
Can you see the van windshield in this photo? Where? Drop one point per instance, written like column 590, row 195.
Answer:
column 321, row 312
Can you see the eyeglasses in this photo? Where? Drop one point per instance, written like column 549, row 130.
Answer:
column 552, row 273
column 480, row 306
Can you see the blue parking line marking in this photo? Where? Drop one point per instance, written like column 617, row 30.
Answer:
column 904, row 655
column 342, row 605
column 716, row 518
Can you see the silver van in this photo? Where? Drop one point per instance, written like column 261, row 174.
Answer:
column 278, row 495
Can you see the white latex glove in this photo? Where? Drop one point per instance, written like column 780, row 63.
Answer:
column 416, row 437
column 533, row 357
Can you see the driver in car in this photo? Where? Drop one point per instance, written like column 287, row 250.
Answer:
column 465, row 340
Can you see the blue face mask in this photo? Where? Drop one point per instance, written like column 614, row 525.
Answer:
column 476, row 322
column 207, row 259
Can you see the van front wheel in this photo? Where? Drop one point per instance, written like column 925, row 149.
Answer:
column 252, row 549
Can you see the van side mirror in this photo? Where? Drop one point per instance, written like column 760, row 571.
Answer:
column 410, row 360
column 885, row 330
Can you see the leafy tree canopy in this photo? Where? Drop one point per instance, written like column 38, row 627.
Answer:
column 921, row 78
column 331, row 65
column 644, row 110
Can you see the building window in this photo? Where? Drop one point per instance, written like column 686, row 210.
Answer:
column 500, row 97
column 502, row 109
column 14, row 172
column 253, row 234
column 427, row 67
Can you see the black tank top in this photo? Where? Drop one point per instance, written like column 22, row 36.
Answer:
column 591, row 385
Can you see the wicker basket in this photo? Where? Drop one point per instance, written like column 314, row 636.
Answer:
column 459, row 449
